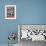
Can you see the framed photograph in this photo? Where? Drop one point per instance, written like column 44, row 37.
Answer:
column 10, row 11
column 33, row 32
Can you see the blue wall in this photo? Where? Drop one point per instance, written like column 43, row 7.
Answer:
column 6, row 26
column 31, row 11
column 28, row 12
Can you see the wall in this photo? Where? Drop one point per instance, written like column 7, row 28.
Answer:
column 31, row 11
column 28, row 12
column 6, row 26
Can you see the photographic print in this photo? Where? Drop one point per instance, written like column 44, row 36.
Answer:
column 29, row 34
column 10, row 11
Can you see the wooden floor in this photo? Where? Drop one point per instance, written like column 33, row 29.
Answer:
column 30, row 43
column 9, row 45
